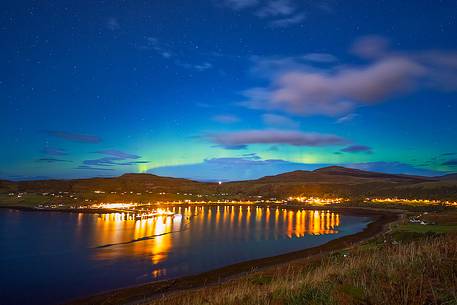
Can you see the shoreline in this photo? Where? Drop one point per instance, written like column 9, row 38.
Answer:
column 65, row 210
column 381, row 219
column 334, row 207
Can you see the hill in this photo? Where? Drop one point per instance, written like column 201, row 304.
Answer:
column 340, row 174
column 347, row 182
column 327, row 181
column 447, row 177
column 124, row 183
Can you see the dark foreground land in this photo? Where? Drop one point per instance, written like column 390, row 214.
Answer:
column 393, row 261
column 418, row 271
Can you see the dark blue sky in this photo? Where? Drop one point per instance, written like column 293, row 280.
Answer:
column 226, row 89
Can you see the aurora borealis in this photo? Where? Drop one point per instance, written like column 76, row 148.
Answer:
column 226, row 89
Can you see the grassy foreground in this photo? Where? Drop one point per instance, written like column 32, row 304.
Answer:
column 409, row 265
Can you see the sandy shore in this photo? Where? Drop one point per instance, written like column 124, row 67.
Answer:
column 147, row 291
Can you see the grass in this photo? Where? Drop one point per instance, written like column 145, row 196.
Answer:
column 448, row 217
column 413, row 264
column 418, row 228
column 27, row 200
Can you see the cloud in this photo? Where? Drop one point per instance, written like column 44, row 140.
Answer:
column 347, row 118
column 202, row 67
column 52, row 160
column 357, row 149
column 105, row 161
column 319, row 57
column 251, row 156
column 449, row 154
column 295, row 138
column 452, row 162
column 279, row 121
column 86, row 167
column 285, row 22
column 111, row 161
column 442, row 68
column 370, row 46
column 305, row 89
column 232, row 147
column 153, row 43
column 133, row 162
column 52, row 151
column 240, row 4
column 199, row 67
column 75, row 137
column 276, row 8
column 113, row 24
column 309, row 93
column 268, row 67
column 226, row 118
column 278, row 13
column 118, row 154
column 114, row 158
column 165, row 51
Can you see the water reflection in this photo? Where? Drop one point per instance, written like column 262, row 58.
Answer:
column 156, row 237
column 83, row 254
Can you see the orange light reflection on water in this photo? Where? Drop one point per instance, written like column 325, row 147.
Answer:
column 154, row 236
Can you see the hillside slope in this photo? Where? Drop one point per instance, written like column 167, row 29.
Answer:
column 328, row 181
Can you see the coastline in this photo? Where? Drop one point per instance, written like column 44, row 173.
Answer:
column 64, row 210
column 381, row 220
column 348, row 208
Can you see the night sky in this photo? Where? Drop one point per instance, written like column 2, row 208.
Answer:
column 226, row 89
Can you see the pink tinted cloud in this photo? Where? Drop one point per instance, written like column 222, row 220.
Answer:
column 226, row 118
column 370, row 46
column 333, row 94
column 304, row 89
column 295, row 138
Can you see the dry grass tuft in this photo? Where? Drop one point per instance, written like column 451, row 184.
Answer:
column 422, row 271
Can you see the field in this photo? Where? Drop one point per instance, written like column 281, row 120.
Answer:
column 410, row 264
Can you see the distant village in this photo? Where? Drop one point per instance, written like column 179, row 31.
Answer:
column 89, row 200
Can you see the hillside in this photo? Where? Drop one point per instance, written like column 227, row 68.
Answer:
column 340, row 181
column 338, row 174
column 447, row 177
column 124, row 183
column 328, row 181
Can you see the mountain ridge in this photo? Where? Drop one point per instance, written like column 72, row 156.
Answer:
column 330, row 181
column 328, row 170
